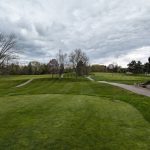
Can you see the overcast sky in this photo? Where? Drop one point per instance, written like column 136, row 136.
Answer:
column 107, row 30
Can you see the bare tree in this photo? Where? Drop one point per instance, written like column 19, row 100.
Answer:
column 76, row 57
column 7, row 48
column 61, row 61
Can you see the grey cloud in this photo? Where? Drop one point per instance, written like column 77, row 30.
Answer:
column 102, row 28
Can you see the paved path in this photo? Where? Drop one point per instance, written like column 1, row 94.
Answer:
column 138, row 90
column 132, row 88
column 25, row 83
column 90, row 78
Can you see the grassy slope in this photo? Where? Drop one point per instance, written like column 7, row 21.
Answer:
column 67, row 122
column 44, row 117
column 120, row 78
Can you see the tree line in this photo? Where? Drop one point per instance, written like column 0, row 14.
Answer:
column 76, row 62
column 110, row 68
column 134, row 67
column 137, row 67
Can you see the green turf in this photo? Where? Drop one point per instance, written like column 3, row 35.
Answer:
column 71, row 114
column 71, row 122
column 120, row 78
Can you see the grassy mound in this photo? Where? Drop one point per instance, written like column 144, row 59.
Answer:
column 58, row 121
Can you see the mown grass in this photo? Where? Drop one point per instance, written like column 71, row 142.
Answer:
column 70, row 122
column 83, row 87
column 120, row 78
column 71, row 114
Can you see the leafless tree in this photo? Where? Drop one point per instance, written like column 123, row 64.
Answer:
column 77, row 56
column 7, row 48
column 61, row 61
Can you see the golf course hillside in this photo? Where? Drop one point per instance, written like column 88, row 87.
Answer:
column 71, row 114
column 74, row 75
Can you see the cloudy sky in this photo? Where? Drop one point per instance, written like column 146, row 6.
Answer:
column 107, row 30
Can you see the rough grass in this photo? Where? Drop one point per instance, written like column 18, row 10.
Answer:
column 71, row 114
column 120, row 78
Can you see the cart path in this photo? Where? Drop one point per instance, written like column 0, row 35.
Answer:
column 89, row 78
column 132, row 88
column 25, row 83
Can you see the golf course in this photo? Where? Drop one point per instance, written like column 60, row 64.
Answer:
column 73, row 114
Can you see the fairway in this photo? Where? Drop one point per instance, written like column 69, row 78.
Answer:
column 71, row 114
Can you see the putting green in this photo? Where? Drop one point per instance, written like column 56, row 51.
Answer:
column 57, row 121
